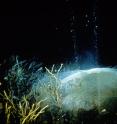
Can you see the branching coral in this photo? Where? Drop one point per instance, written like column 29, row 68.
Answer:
column 34, row 91
column 49, row 88
column 21, row 76
column 25, row 111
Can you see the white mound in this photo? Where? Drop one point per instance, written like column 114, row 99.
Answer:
column 89, row 88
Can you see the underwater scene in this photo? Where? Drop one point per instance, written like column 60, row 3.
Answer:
column 58, row 63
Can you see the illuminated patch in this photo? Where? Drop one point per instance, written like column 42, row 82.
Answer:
column 89, row 88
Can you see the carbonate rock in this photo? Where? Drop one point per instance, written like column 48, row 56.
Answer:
column 86, row 89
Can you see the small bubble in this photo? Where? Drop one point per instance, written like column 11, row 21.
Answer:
column 104, row 110
column 96, row 26
column 73, row 17
column 86, row 16
column 86, row 25
column 72, row 30
column 56, row 28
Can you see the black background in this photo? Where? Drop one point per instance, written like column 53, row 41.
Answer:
column 41, row 30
